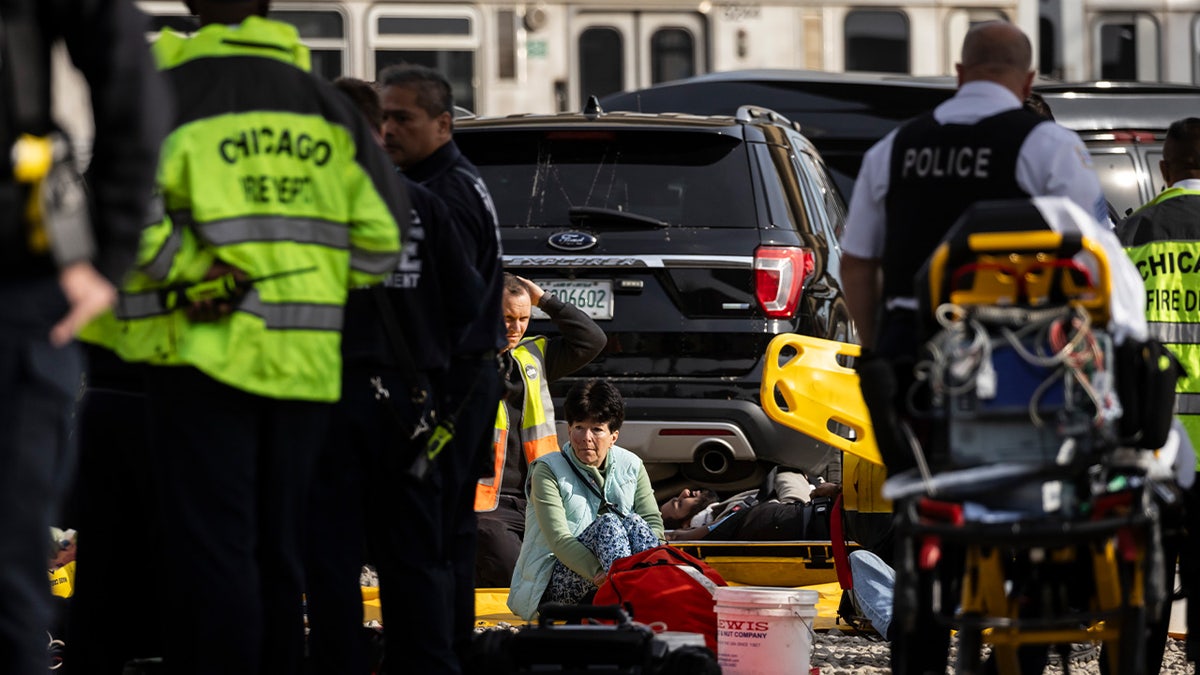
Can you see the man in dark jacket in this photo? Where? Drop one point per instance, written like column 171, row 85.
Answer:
column 418, row 108
column 396, row 345
column 57, row 269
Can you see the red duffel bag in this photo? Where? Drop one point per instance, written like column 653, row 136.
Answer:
column 666, row 585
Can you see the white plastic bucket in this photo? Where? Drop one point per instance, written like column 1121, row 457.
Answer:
column 765, row 631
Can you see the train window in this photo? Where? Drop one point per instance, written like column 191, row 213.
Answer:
column 877, row 40
column 1047, row 48
column 424, row 25
column 313, row 24
column 1196, row 50
column 324, row 33
column 601, row 62
column 444, row 38
column 1128, row 47
column 506, row 44
column 672, row 55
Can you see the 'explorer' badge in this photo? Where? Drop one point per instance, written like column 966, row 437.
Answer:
column 571, row 241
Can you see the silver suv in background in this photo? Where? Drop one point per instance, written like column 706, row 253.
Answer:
column 1123, row 125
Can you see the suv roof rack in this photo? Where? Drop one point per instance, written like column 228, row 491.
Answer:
column 752, row 113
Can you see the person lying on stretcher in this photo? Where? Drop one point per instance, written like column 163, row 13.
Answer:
column 787, row 507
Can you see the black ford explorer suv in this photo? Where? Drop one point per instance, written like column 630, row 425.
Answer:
column 692, row 241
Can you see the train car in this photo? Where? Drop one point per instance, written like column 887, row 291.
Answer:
column 548, row 56
column 1131, row 40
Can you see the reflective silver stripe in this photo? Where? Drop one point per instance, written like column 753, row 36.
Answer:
column 275, row 228
column 160, row 266
column 276, row 316
column 1175, row 333
column 542, row 430
column 139, row 305
column 372, row 262
column 1187, row 404
column 293, row 315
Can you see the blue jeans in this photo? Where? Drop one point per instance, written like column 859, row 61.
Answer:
column 874, row 584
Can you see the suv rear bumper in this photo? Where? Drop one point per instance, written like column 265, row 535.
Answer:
column 686, row 431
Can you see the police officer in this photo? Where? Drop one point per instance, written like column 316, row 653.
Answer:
column 396, row 345
column 58, row 268
column 525, row 418
column 913, row 186
column 1163, row 240
column 917, row 180
column 278, row 197
column 418, row 108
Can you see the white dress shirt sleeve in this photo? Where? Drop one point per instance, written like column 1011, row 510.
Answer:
column 866, row 220
column 1054, row 162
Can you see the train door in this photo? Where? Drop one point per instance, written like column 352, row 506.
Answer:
column 618, row 51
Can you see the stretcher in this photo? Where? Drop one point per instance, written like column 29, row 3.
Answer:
column 1024, row 525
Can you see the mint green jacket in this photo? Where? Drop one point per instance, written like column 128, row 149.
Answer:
column 561, row 506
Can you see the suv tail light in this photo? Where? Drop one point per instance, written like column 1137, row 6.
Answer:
column 779, row 276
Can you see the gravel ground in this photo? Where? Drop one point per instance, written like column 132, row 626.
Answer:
column 838, row 653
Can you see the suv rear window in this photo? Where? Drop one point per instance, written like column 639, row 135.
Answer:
column 678, row 178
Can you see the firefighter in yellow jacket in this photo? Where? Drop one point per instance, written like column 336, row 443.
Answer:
column 1163, row 240
column 525, row 418
column 276, row 201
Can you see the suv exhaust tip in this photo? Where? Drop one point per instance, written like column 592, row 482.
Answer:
column 714, row 457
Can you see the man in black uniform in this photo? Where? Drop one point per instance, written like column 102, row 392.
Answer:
column 918, row 180
column 418, row 108
column 58, row 270
column 396, row 344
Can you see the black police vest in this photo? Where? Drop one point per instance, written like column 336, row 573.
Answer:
column 937, row 171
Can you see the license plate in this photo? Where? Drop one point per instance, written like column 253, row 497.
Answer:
column 594, row 297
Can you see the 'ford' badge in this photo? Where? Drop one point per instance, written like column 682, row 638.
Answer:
column 571, row 241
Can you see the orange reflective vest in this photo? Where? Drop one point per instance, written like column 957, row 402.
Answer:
column 537, row 433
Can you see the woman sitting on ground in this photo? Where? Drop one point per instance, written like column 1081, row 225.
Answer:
column 589, row 504
column 787, row 507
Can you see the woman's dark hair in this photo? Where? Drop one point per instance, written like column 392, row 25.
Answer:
column 595, row 400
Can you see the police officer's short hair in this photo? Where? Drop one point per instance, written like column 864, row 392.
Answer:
column 1183, row 144
column 983, row 49
column 434, row 94
column 597, row 400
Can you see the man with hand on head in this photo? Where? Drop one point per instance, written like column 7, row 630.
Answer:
column 525, row 421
